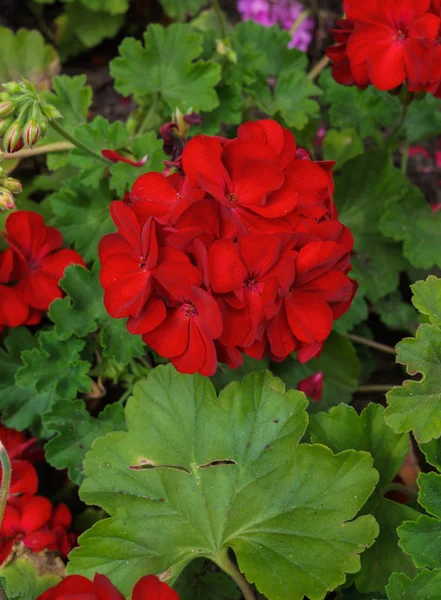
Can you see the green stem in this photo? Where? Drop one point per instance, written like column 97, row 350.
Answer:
column 302, row 17
column 374, row 388
column 6, row 480
column 405, row 158
column 318, row 68
column 230, row 569
column 399, row 125
column 147, row 121
column 220, row 18
column 367, row 342
column 76, row 142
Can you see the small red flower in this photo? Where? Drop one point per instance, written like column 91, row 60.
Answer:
column 312, row 386
column 76, row 587
column 39, row 260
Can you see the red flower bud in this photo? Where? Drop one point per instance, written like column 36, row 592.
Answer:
column 6, row 108
column 7, row 201
column 4, row 125
column 312, row 386
column 12, row 140
column 31, row 133
column 115, row 158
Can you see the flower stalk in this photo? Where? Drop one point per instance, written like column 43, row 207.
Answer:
column 225, row 563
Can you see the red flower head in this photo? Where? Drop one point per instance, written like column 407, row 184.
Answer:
column 312, row 386
column 39, row 261
column 242, row 253
column 390, row 43
column 32, row 520
column 75, row 587
column 13, row 309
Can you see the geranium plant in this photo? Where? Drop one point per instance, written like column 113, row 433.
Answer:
column 205, row 283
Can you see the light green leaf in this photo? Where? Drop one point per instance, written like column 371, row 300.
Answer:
column 416, row 405
column 411, row 220
column 180, row 9
column 425, row 586
column 21, row 581
column 196, row 474
column 427, row 298
column 76, row 431
column 25, row 54
column 82, row 215
column 341, row 146
column 55, row 366
column 167, row 68
column 339, row 365
column 363, row 189
column 21, row 408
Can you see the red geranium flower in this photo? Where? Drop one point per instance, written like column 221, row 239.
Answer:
column 32, row 520
column 39, row 260
column 312, row 386
column 151, row 588
column 13, row 309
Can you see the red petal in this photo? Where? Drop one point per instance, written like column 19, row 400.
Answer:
column 69, row 587
column 151, row 588
column 36, row 513
column 29, row 236
column 24, row 478
column 115, row 158
column 6, row 263
column 127, row 223
column 152, row 315
column 259, row 253
column 171, row 337
column 202, row 156
column 209, row 314
column 62, row 516
column 105, row 590
column 309, row 317
column 13, row 310
column 56, row 263
column 226, row 269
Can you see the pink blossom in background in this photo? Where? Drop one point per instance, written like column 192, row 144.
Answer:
column 279, row 12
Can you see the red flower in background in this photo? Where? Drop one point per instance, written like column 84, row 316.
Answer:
column 312, row 386
column 386, row 43
column 75, row 587
column 31, row 268
column 241, row 252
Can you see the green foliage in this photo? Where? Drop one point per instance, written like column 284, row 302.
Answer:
column 364, row 186
column 427, row 298
column 341, row 429
column 425, row 586
column 339, row 365
column 397, row 314
column 341, row 146
column 423, row 120
column 76, row 431
column 196, row 474
column 54, row 367
column 166, row 70
column 197, row 582
column 21, row 581
column 179, row 9
column 25, row 54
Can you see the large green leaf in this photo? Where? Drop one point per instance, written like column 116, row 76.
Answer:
column 166, row 70
column 197, row 474
column 427, row 298
column 340, row 367
column 364, row 187
column 416, row 405
column 76, row 431
column 410, row 219
column 55, row 366
column 21, row 408
column 342, row 428
column 82, row 215
column 25, row 54
column 425, row 586
column 422, row 538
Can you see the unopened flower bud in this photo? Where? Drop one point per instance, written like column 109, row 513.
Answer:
column 12, row 87
column 6, row 108
column 7, row 201
column 4, row 125
column 43, row 126
column 51, row 112
column 12, row 139
column 31, row 133
column 12, row 185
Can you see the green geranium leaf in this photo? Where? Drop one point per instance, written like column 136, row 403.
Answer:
column 25, row 54
column 363, row 188
column 167, row 69
column 79, row 27
column 123, row 176
column 76, row 431
column 82, row 312
column 416, row 405
column 427, row 298
column 55, row 366
column 225, row 374
column 180, row 9
column 341, row 146
column 423, row 119
column 342, row 428
column 196, row 474
column 22, row 582
column 410, row 219
column 72, row 97
column 422, row 538
column 397, row 314
column 113, row 7
column 198, row 583
column 21, row 408
column 82, row 215
column 425, row 586
column 339, row 365
column 98, row 135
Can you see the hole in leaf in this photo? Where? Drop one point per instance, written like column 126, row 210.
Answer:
column 148, row 465
column 215, row 463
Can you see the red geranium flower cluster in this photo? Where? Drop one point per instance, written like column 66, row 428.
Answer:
column 29, row 518
column 31, row 268
column 388, row 42
column 239, row 252
column 101, row 588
